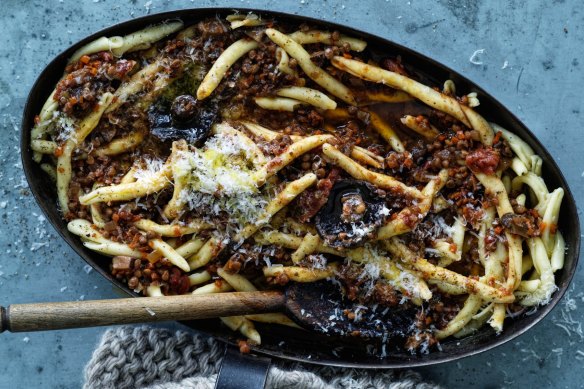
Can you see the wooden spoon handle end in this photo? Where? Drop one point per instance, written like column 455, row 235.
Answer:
column 4, row 325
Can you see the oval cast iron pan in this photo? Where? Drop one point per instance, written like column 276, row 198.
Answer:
column 284, row 342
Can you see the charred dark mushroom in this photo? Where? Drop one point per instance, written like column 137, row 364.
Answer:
column 186, row 119
column 184, row 108
column 320, row 306
column 351, row 215
column 520, row 225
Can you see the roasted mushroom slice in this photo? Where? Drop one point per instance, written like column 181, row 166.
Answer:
column 321, row 307
column 186, row 119
column 351, row 215
column 522, row 225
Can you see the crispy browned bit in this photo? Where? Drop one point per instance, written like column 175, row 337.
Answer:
column 395, row 65
column 281, row 279
column 483, row 160
column 524, row 225
column 311, row 200
column 133, row 282
column 234, row 263
column 179, row 283
column 425, row 339
column 243, row 346
column 89, row 77
column 121, row 263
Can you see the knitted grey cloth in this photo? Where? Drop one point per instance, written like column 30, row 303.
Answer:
column 153, row 358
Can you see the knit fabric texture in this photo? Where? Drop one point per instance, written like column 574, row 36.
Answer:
column 154, row 358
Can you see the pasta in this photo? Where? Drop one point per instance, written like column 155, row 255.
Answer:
column 296, row 51
column 309, row 96
column 101, row 44
column 252, row 154
column 143, row 39
column 278, row 103
column 328, row 38
column 64, row 159
column 284, row 62
column 223, row 63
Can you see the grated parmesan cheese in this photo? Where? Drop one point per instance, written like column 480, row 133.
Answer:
column 359, row 230
column 370, row 272
column 151, row 167
column 219, row 179
column 406, row 282
column 442, row 227
column 64, row 126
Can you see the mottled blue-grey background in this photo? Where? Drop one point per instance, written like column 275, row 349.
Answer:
column 532, row 61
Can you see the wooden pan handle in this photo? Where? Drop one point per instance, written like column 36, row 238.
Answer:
column 78, row 314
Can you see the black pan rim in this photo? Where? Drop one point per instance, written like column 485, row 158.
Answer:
column 414, row 361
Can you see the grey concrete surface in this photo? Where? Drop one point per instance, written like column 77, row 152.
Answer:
column 532, row 62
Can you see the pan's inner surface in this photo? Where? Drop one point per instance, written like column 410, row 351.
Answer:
column 285, row 342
